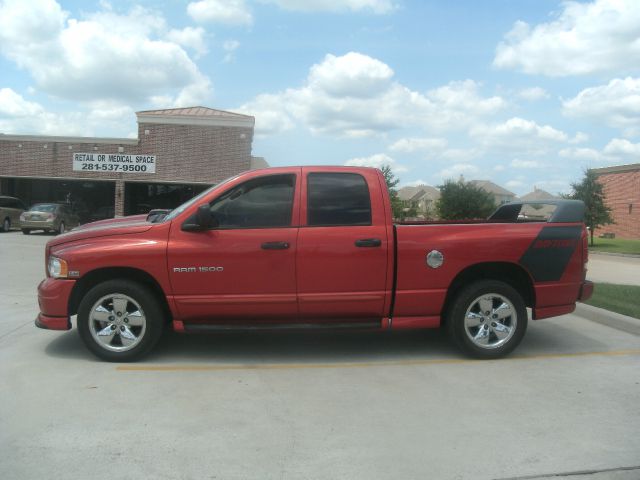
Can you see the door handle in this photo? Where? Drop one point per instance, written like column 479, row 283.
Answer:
column 275, row 245
column 368, row 242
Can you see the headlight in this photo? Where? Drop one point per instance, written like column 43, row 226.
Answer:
column 57, row 267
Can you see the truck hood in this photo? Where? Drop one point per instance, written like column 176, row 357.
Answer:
column 119, row 226
column 110, row 221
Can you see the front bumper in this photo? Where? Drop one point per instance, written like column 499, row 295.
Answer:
column 586, row 290
column 53, row 299
column 52, row 323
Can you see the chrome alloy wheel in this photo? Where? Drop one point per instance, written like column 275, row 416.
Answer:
column 117, row 323
column 490, row 321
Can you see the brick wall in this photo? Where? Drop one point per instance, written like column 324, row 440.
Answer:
column 622, row 190
column 184, row 153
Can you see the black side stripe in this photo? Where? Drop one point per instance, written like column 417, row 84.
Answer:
column 548, row 255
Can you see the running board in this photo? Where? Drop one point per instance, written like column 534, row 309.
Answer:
column 231, row 327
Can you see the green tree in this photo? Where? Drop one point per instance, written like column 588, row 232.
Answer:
column 396, row 204
column 589, row 190
column 460, row 201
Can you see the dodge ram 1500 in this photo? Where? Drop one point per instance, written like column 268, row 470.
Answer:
column 312, row 247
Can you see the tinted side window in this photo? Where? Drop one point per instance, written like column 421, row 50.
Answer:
column 338, row 199
column 264, row 202
column 4, row 202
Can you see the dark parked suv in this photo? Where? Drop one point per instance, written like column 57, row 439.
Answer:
column 10, row 210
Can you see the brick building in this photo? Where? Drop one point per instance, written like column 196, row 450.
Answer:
column 178, row 153
column 622, row 194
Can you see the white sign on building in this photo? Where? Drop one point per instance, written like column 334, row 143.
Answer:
column 114, row 162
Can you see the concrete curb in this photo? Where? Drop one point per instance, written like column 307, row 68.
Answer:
column 612, row 254
column 608, row 318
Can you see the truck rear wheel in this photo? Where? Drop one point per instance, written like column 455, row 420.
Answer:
column 487, row 319
column 120, row 320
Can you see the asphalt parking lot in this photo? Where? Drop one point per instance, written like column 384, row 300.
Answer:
column 311, row 406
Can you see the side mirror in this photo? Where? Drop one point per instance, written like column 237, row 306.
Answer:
column 204, row 217
column 202, row 220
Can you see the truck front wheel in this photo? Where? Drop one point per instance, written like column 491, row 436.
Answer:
column 120, row 320
column 487, row 319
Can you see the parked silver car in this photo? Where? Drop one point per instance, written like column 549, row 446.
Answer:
column 10, row 210
column 48, row 217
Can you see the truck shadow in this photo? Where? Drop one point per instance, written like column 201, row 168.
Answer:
column 543, row 338
column 278, row 347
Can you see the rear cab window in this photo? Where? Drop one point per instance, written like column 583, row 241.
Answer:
column 337, row 199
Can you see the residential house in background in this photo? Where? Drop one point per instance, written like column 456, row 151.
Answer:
column 542, row 212
column 422, row 198
column 501, row 195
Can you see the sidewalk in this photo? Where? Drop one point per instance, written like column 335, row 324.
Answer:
column 608, row 318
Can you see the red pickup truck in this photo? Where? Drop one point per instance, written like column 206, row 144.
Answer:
column 311, row 247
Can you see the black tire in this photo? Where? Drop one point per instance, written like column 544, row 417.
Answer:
column 6, row 224
column 147, row 303
column 26, row 231
column 495, row 324
column 61, row 228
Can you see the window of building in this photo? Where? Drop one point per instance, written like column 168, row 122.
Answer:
column 338, row 199
column 264, row 202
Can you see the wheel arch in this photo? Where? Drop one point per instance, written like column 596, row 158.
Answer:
column 509, row 273
column 95, row 277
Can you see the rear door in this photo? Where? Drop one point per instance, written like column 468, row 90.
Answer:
column 245, row 267
column 343, row 245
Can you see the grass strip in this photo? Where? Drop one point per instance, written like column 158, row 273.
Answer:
column 624, row 299
column 615, row 245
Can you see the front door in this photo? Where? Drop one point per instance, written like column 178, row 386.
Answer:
column 245, row 267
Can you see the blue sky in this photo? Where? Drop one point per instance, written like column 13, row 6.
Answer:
column 525, row 93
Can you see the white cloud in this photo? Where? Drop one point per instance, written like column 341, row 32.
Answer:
column 580, row 153
column 189, row 37
column 518, row 133
column 616, row 104
column 517, row 163
column 12, row 104
column 459, row 169
column 555, row 185
column 21, row 116
column 377, row 161
column 516, row 184
column 103, row 57
column 534, row 93
column 355, row 95
column 584, row 38
column 461, row 154
column 351, row 75
column 579, row 137
column 618, row 150
column 410, row 145
column 229, row 12
column 622, row 148
column 230, row 46
column 374, row 6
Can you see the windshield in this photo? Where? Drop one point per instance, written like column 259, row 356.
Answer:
column 44, row 207
column 178, row 210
